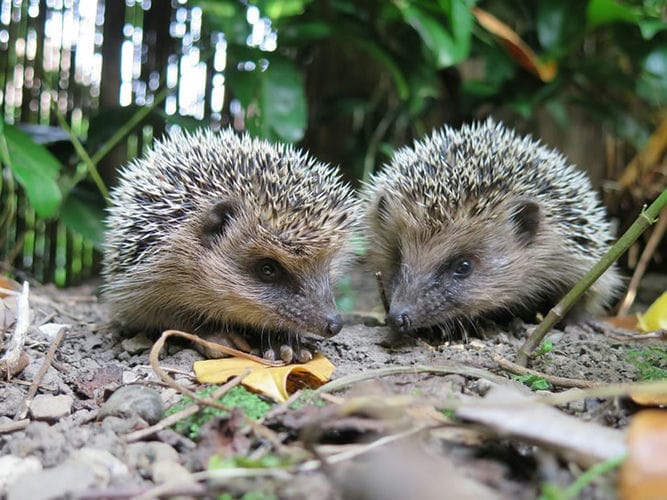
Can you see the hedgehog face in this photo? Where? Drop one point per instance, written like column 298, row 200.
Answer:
column 258, row 278
column 449, row 273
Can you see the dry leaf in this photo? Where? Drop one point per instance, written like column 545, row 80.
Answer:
column 277, row 382
column 7, row 284
column 644, row 473
column 655, row 317
column 516, row 414
column 517, row 48
column 649, row 399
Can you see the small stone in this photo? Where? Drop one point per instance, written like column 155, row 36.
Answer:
column 134, row 400
column 166, row 471
column 47, row 407
column 11, row 467
column 106, row 467
column 143, row 454
column 63, row 481
column 51, row 330
column 137, row 344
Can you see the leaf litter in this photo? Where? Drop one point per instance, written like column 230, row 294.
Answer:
column 400, row 415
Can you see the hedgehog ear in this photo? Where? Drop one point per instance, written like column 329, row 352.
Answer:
column 217, row 220
column 526, row 220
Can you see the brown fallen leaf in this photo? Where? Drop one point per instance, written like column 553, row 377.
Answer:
column 8, row 285
column 643, row 475
column 517, row 48
column 513, row 413
column 276, row 382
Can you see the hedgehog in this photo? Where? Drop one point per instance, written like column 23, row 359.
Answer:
column 480, row 225
column 218, row 234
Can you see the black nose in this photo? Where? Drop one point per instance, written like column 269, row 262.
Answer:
column 399, row 320
column 334, row 325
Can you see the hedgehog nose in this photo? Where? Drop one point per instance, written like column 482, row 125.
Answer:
column 399, row 320
column 334, row 325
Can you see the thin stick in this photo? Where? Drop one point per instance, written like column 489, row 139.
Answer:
column 467, row 371
column 557, row 313
column 644, row 260
column 46, row 363
column 11, row 359
column 383, row 293
column 552, row 379
column 185, row 413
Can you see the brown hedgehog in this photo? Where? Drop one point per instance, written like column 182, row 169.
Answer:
column 213, row 232
column 480, row 224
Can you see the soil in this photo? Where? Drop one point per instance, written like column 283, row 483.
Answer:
column 82, row 451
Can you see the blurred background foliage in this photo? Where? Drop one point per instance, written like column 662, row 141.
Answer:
column 87, row 85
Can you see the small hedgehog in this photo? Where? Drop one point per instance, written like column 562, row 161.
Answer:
column 480, row 224
column 213, row 232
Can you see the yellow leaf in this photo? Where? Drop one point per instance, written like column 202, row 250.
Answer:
column 277, row 382
column 655, row 317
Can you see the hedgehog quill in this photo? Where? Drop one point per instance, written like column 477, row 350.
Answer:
column 481, row 224
column 215, row 233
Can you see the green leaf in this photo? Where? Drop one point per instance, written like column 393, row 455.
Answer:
column 274, row 99
column 446, row 49
column 276, row 9
column 651, row 27
column 36, row 169
column 601, row 12
column 560, row 24
column 84, row 214
column 283, row 101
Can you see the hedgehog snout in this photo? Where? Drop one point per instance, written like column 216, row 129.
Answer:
column 400, row 318
column 334, row 324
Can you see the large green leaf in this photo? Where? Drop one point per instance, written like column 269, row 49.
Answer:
column 35, row 169
column 274, row 98
column 446, row 48
column 652, row 82
column 560, row 24
column 84, row 213
column 601, row 12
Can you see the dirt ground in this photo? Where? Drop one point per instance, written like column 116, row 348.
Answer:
column 383, row 436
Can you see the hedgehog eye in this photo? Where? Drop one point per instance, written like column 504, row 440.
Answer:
column 462, row 268
column 268, row 271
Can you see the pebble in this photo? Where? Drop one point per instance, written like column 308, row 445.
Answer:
column 166, row 471
column 134, row 400
column 106, row 467
column 144, row 454
column 11, row 467
column 50, row 408
column 58, row 482
column 12, row 397
column 137, row 344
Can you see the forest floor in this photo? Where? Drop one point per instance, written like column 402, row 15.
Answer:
column 420, row 433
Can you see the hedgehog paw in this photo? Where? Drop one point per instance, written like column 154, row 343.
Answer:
column 289, row 354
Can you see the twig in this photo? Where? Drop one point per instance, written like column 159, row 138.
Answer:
column 383, row 293
column 46, row 363
column 456, row 368
column 281, row 407
column 558, row 312
column 185, row 413
column 506, row 364
column 11, row 359
column 647, row 254
column 14, row 425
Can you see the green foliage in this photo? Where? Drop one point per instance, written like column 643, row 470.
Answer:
column 307, row 398
column 535, row 382
column 551, row 491
column 238, row 397
column 34, row 167
column 651, row 362
column 268, row 461
column 546, row 347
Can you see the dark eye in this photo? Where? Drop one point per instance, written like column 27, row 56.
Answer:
column 268, row 270
column 462, row 268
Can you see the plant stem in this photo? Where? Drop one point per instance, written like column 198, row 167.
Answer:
column 646, row 218
column 83, row 154
column 129, row 125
